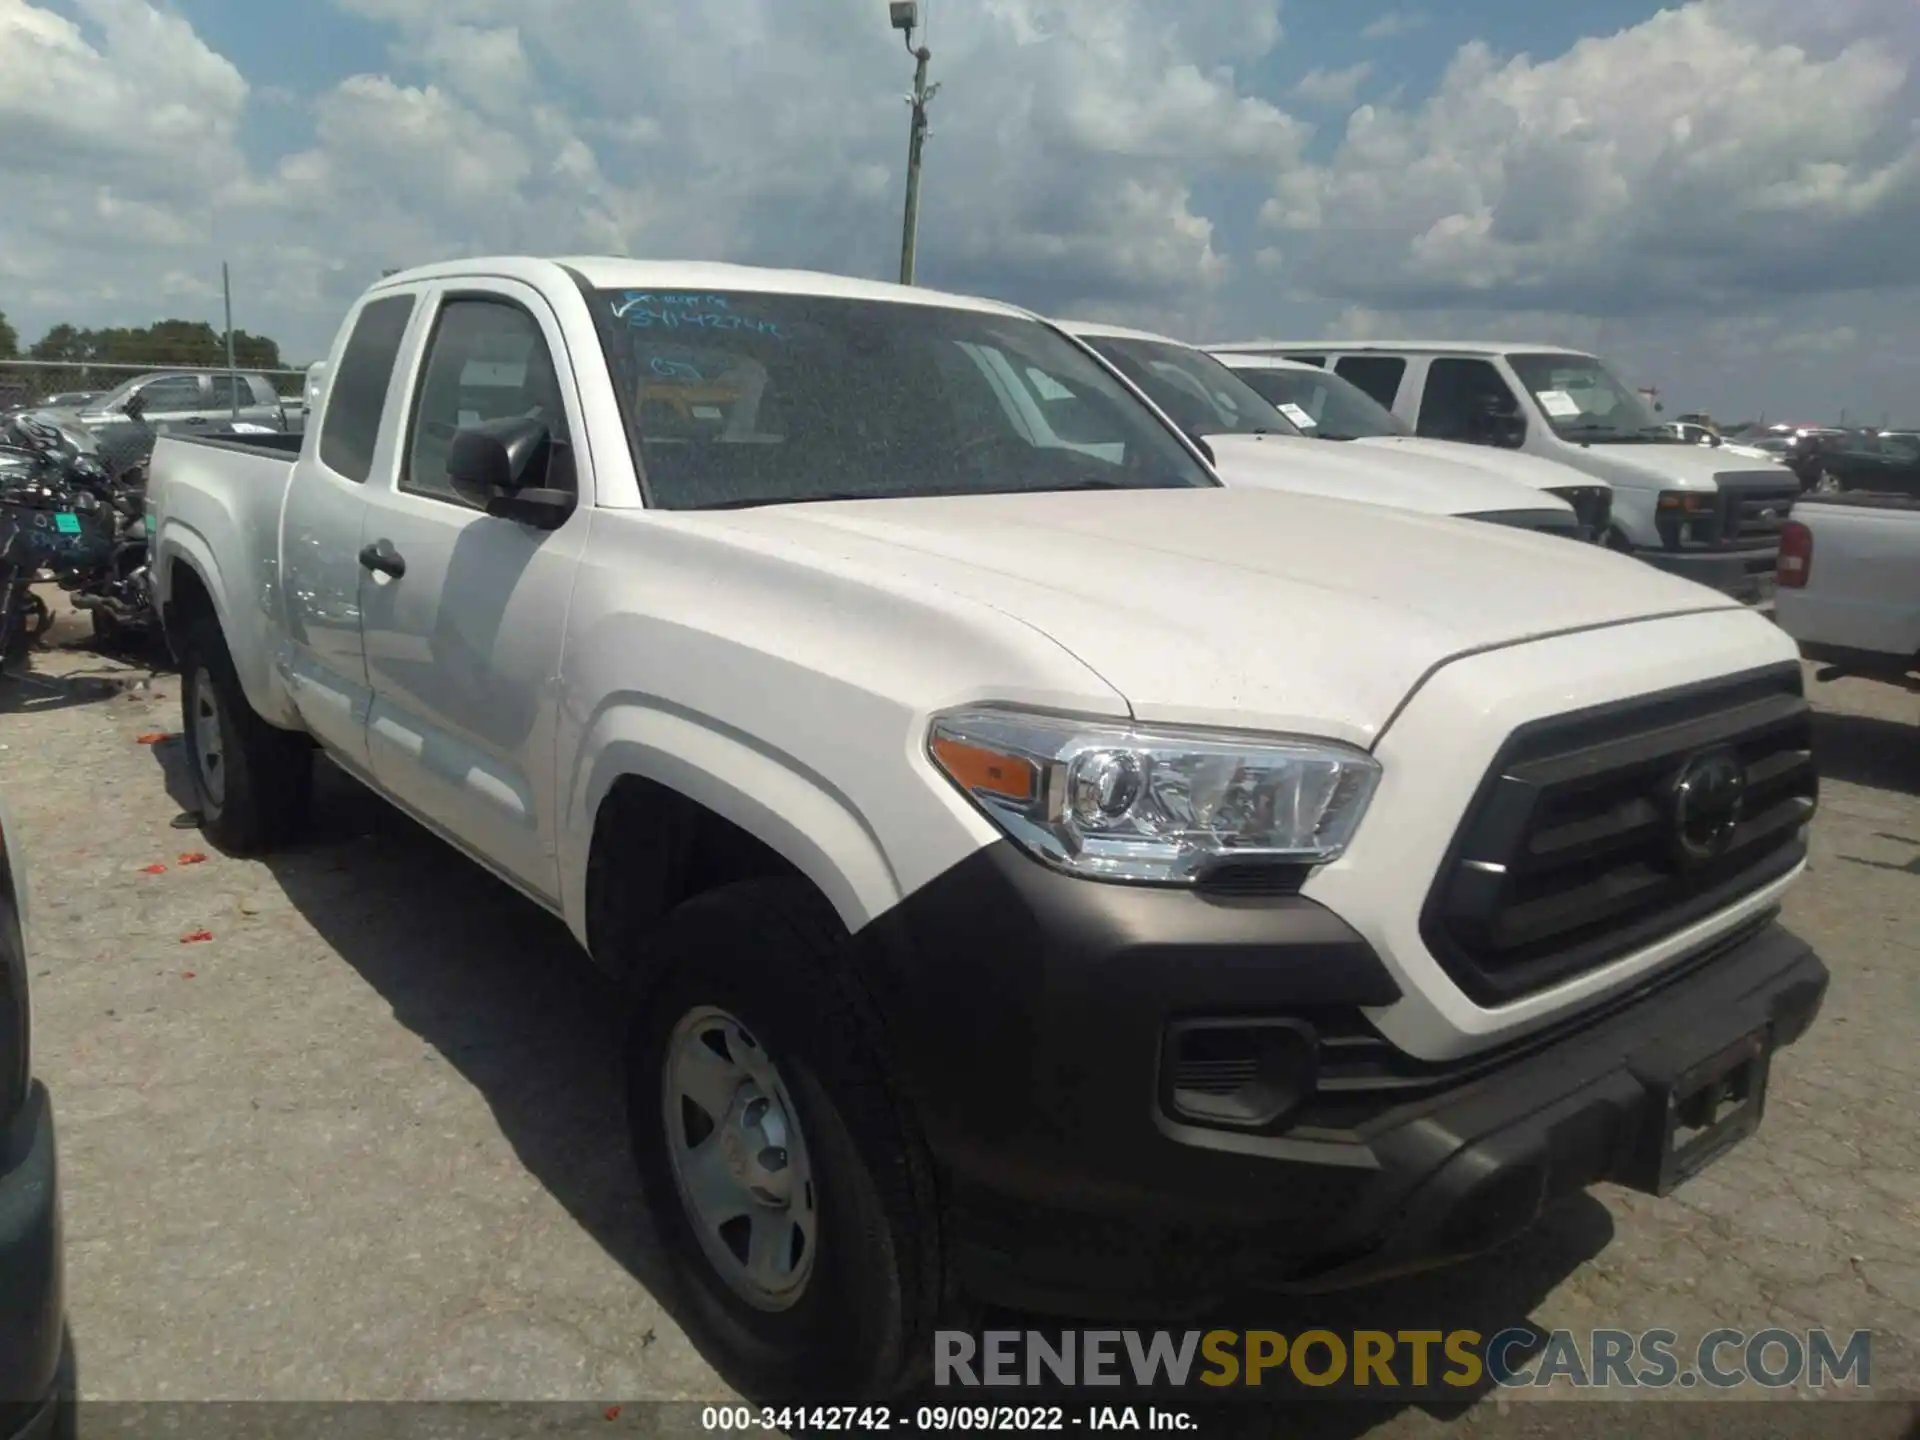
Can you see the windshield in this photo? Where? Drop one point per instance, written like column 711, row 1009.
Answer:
column 1582, row 401
column 742, row 398
column 1200, row 395
column 1323, row 405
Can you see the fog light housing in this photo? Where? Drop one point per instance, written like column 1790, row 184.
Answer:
column 1242, row 1074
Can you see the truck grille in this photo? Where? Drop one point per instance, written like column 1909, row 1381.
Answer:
column 1753, row 517
column 1581, row 846
column 1592, row 505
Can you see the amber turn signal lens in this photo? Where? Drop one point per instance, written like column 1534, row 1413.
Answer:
column 986, row 772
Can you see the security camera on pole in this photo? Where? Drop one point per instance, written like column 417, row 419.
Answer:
column 905, row 15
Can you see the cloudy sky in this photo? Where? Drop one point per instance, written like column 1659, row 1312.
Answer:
column 1723, row 195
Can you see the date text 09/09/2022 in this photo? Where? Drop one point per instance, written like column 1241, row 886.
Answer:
column 936, row 1419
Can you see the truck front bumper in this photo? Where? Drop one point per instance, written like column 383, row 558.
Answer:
column 32, row 1279
column 1029, row 1012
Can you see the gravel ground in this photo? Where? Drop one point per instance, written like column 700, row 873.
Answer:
column 364, row 1142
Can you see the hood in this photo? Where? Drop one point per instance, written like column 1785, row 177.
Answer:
column 1515, row 465
column 1404, row 481
column 1668, row 467
column 1248, row 609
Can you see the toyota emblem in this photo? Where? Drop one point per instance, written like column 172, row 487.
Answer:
column 1708, row 800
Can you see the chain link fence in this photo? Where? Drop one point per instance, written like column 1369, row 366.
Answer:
column 60, row 384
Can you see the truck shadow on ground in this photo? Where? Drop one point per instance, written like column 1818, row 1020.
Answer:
column 499, row 989
column 25, row 691
column 1868, row 750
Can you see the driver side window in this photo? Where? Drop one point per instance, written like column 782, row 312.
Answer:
column 1466, row 400
column 486, row 360
column 173, row 395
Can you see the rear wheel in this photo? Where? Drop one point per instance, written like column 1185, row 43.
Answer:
column 790, row 1191
column 251, row 780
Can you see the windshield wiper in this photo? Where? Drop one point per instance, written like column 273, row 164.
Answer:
column 827, row 497
column 1598, row 430
column 754, row 501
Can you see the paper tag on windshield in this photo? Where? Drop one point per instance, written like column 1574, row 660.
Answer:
column 1558, row 404
column 1299, row 417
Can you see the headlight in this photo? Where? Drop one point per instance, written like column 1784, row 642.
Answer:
column 1113, row 802
column 1685, row 517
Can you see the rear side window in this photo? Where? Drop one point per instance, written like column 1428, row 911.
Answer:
column 232, row 390
column 1319, row 360
column 1378, row 375
column 357, row 396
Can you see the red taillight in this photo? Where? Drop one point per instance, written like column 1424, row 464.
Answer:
column 1795, row 563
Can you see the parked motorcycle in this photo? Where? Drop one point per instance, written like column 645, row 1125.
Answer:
column 67, row 516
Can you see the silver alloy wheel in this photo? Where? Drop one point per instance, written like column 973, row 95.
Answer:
column 739, row 1159
column 209, row 740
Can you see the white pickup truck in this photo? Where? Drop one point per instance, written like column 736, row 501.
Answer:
column 1703, row 512
column 1252, row 441
column 1042, row 873
column 1849, row 585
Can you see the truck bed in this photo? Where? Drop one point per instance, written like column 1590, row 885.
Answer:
column 221, row 495
column 1858, row 610
column 278, row 443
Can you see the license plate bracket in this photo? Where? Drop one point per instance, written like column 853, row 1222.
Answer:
column 1710, row 1107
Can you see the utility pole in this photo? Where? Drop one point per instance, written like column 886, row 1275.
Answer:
column 233, row 379
column 905, row 15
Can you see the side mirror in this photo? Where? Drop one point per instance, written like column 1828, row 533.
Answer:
column 1200, row 444
column 1501, row 424
column 134, row 406
column 510, row 462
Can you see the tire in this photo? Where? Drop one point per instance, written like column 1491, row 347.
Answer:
column 264, row 774
column 857, row 1327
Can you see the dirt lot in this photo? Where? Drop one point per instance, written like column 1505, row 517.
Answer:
column 365, row 1141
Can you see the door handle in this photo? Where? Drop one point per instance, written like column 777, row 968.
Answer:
column 382, row 557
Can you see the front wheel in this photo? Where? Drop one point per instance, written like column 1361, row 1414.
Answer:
column 252, row 781
column 788, row 1188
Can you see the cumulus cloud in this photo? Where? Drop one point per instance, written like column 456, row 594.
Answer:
column 1393, row 24
column 1725, row 159
column 1716, row 153
column 1333, row 87
column 1061, row 169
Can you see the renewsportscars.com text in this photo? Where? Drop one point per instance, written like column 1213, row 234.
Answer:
column 1375, row 1360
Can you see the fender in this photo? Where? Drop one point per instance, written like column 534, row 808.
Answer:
column 767, row 793
column 249, row 640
